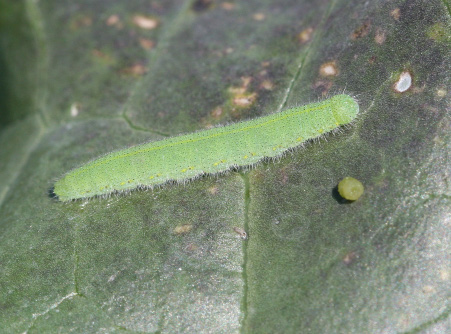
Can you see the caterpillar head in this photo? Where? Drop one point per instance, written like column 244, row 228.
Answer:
column 345, row 108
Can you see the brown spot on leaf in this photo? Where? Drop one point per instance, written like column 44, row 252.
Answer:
column 323, row 86
column 305, row 35
column 441, row 92
column 240, row 98
column 419, row 89
column 427, row 289
column 267, row 85
column 113, row 20
column 284, row 175
column 228, row 5
column 379, row 38
column 259, row 16
column 395, row 13
column 350, row 258
column 145, row 22
column 183, row 229
column 246, row 81
column 237, row 90
column 213, row 190
column 244, row 100
column 361, row 31
column 216, row 112
column 191, row 247
column 146, row 44
column 201, row 5
column 135, row 70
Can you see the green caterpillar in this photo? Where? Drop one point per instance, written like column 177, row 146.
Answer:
column 206, row 152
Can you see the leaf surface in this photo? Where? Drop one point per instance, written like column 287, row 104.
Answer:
column 80, row 79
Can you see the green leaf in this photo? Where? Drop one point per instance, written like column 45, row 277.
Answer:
column 82, row 78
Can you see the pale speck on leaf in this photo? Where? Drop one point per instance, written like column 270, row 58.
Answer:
column 145, row 22
column 305, row 35
column 74, row 109
column 328, row 69
column 183, row 229
column 395, row 13
column 258, row 16
column 113, row 20
column 403, row 83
